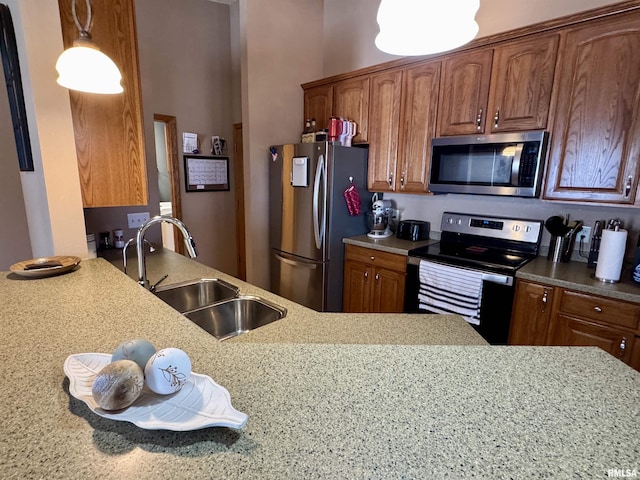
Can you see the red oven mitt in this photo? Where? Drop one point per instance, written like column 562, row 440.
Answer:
column 352, row 197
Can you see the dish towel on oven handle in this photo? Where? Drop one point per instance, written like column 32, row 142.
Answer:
column 447, row 289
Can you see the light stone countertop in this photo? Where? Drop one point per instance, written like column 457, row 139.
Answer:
column 390, row 244
column 316, row 410
column 576, row 276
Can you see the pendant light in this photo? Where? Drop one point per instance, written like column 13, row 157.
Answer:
column 423, row 27
column 84, row 67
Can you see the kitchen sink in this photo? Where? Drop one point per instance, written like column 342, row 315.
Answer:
column 234, row 316
column 194, row 294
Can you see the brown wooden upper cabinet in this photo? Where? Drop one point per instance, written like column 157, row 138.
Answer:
column 318, row 104
column 402, row 123
column 108, row 129
column 595, row 144
column 348, row 99
column 507, row 88
column 351, row 101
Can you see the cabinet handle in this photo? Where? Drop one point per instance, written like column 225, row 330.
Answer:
column 479, row 121
column 623, row 346
column 390, row 181
column 496, row 118
column 545, row 297
column 366, row 275
column 377, row 277
column 627, row 187
column 373, row 259
column 402, row 181
column 597, row 309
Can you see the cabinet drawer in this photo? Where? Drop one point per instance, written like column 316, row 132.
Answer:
column 601, row 309
column 390, row 261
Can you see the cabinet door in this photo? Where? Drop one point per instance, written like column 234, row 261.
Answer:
column 356, row 287
column 388, row 291
column 384, row 111
column 318, row 104
column 531, row 313
column 635, row 354
column 521, row 84
column 464, row 92
column 108, row 129
column 595, row 142
column 574, row 331
column 420, row 87
column 351, row 101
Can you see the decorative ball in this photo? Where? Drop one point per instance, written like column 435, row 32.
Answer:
column 139, row 350
column 118, row 385
column 167, row 370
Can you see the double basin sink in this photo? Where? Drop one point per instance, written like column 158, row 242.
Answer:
column 217, row 306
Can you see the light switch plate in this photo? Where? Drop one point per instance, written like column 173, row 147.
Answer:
column 136, row 220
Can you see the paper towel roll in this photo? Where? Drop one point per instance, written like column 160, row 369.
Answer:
column 611, row 255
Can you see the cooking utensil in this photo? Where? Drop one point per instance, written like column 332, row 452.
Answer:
column 556, row 226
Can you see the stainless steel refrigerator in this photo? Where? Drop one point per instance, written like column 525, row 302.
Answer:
column 309, row 217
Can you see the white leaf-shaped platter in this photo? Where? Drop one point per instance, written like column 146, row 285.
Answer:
column 199, row 404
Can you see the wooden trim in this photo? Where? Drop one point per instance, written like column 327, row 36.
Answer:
column 238, row 175
column 546, row 26
column 173, row 164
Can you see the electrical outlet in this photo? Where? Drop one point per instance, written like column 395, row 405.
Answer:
column 136, row 220
column 586, row 233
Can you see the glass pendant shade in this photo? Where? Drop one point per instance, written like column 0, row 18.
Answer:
column 423, row 27
column 85, row 68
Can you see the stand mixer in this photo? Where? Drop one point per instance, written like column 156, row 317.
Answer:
column 380, row 214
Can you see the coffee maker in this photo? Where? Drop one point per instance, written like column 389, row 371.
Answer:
column 379, row 219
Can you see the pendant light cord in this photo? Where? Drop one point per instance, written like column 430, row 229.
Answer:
column 84, row 30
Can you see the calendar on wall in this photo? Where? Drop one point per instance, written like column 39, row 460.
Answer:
column 206, row 173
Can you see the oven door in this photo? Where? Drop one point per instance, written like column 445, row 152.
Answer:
column 495, row 308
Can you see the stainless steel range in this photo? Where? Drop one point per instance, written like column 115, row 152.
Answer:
column 471, row 271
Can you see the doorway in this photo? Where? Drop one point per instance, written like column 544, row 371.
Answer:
column 166, row 140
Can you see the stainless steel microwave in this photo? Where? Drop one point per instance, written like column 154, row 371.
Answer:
column 509, row 164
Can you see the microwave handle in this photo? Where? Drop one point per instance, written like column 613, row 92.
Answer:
column 515, row 165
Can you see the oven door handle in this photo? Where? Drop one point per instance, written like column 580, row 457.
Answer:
column 486, row 276
column 496, row 278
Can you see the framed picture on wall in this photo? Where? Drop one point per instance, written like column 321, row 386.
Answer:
column 206, row 173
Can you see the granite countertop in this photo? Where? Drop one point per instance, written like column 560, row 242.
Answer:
column 316, row 410
column 576, row 276
column 390, row 244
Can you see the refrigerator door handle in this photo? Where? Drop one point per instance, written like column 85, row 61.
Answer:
column 293, row 263
column 318, row 223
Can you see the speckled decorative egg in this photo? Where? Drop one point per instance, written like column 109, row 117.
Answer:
column 118, row 385
column 167, row 370
column 138, row 350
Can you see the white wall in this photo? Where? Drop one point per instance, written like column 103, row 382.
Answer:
column 350, row 27
column 279, row 52
column 349, row 32
column 52, row 192
column 15, row 244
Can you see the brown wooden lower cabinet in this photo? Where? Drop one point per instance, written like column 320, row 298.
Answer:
column 531, row 314
column 575, row 331
column 547, row 315
column 635, row 354
column 373, row 280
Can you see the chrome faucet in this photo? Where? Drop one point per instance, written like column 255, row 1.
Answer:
column 126, row 246
column 188, row 241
